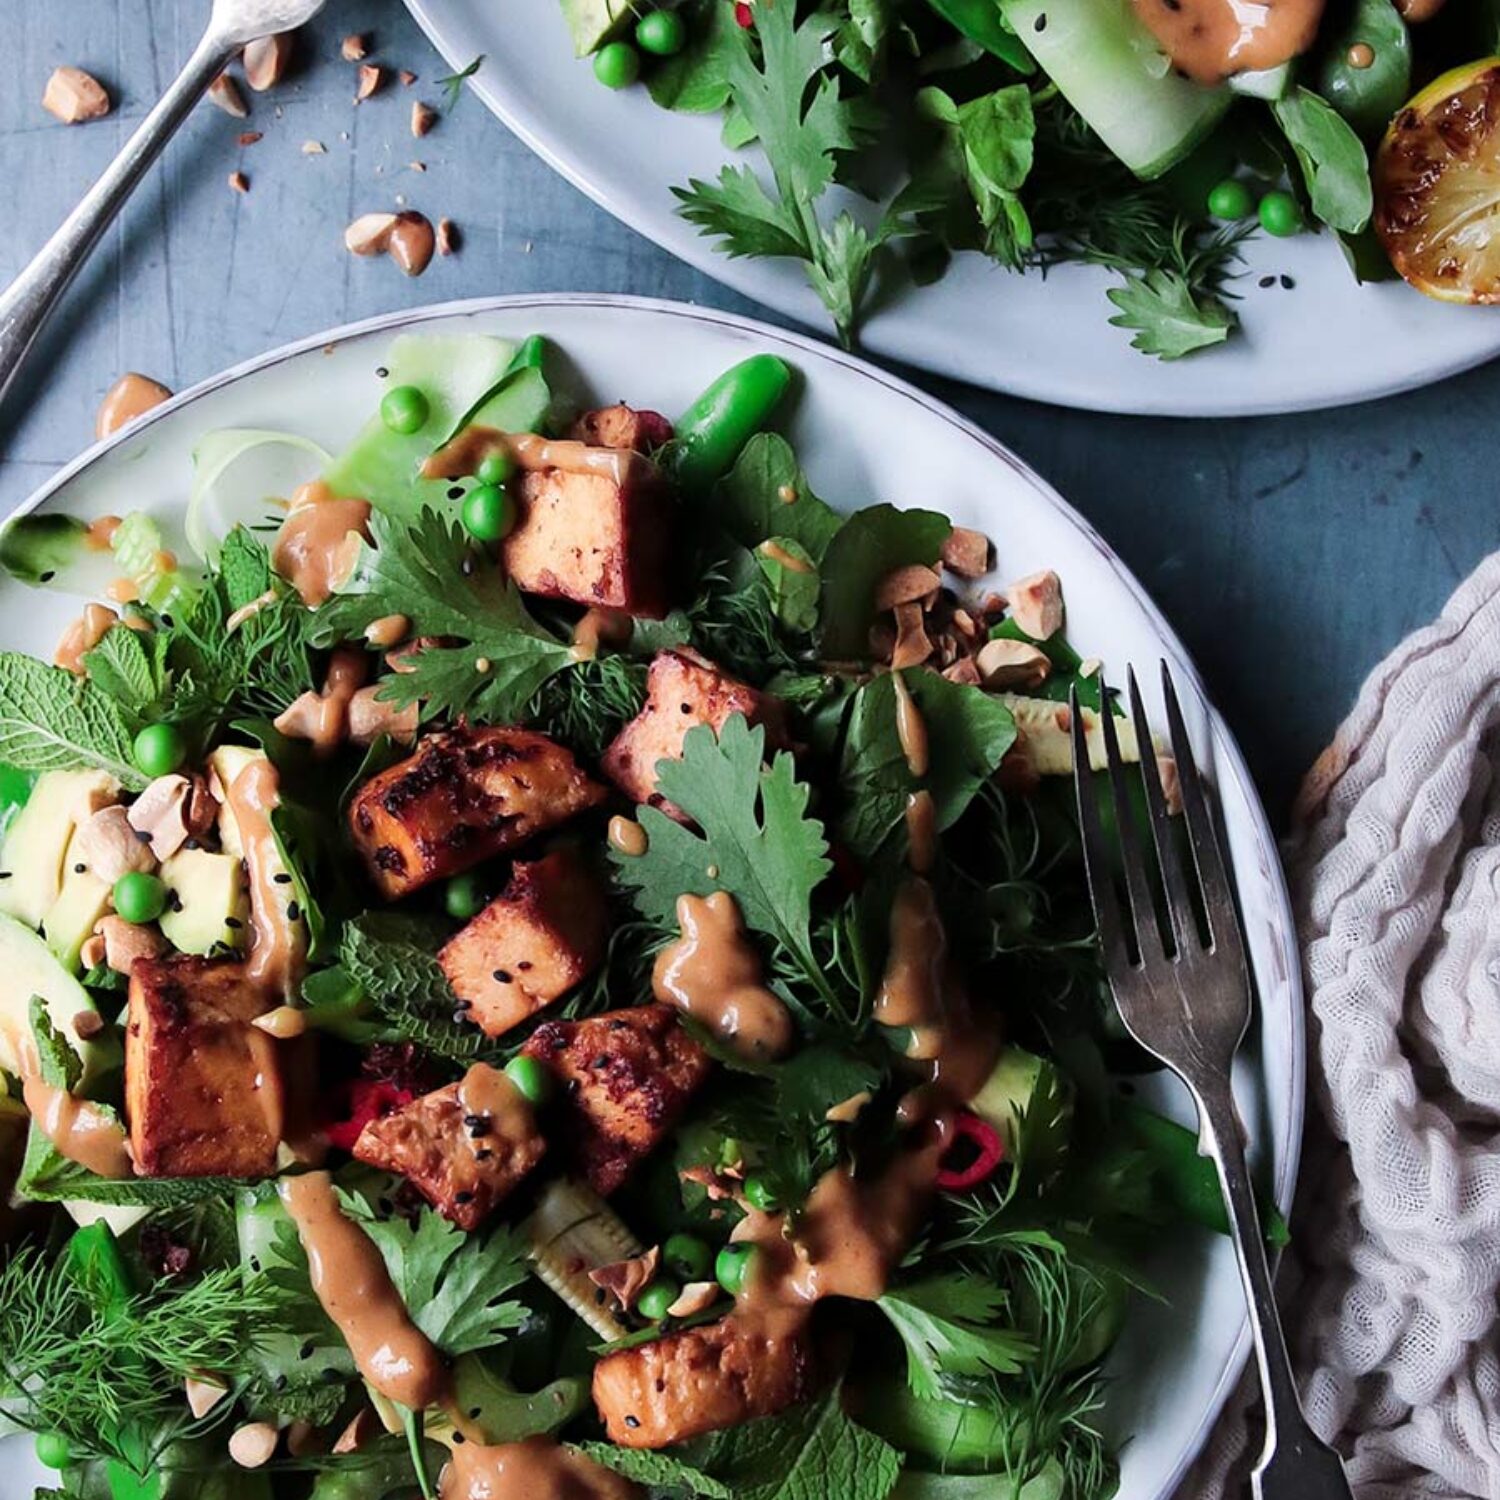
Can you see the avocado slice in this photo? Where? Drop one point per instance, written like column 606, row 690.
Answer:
column 1029, row 1100
column 592, row 23
column 35, row 847
column 69, row 922
column 30, row 969
column 214, row 907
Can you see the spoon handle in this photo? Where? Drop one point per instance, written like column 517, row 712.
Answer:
column 28, row 300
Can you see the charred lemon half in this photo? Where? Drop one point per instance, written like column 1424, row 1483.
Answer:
column 1437, row 186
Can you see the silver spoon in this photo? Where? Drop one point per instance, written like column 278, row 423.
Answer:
column 28, row 300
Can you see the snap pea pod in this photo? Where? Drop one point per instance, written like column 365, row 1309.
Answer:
column 529, row 356
column 711, row 432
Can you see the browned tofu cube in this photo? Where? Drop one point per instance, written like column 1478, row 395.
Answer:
column 683, row 690
column 598, row 538
column 463, row 1147
column 544, row 933
column 626, row 1077
column 700, row 1380
column 622, row 427
column 203, row 1087
column 465, row 795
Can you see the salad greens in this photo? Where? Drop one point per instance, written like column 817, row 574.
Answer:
column 511, row 1133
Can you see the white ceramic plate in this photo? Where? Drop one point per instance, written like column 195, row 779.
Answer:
column 1325, row 342
column 863, row 437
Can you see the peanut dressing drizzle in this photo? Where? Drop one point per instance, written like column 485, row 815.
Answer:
column 387, row 631
column 539, row 1468
column 911, row 729
column 921, row 831
column 100, row 536
column 773, row 550
column 275, row 952
column 626, row 835
column 712, row 973
column 600, row 627
column 247, row 612
column 283, row 1023
column 131, row 396
column 462, row 454
column 355, row 1289
column 486, row 1092
column 1211, row 39
column 318, row 544
column 80, row 1131
column 82, row 636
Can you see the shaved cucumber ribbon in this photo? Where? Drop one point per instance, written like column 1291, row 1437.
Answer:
column 230, row 488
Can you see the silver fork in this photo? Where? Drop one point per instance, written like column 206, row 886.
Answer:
column 28, row 300
column 1184, row 994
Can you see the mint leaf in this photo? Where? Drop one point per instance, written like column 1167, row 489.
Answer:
column 1168, row 318
column 968, row 731
column 1332, row 157
column 948, row 1326
column 870, row 544
column 453, row 1284
column 812, row 1452
column 425, row 569
column 51, row 720
column 657, row 1471
column 756, row 837
column 129, row 665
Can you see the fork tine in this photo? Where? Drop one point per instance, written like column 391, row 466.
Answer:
column 1218, row 898
column 1182, row 921
column 1132, row 855
column 1096, row 860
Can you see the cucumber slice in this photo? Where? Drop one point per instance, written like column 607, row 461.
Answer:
column 1263, row 83
column 1108, row 67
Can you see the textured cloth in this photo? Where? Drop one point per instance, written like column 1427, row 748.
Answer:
column 1389, row 1289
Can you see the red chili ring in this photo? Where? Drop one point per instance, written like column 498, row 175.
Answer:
column 367, row 1099
column 976, row 1136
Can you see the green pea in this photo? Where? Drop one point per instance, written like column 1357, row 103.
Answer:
column 760, row 1194
column 463, row 897
column 404, row 409
column 732, row 1267
column 160, row 749
column 488, row 513
column 688, row 1257
column 1231, row 199
column 140, row 897
column 1280, row 214
column 657, row 1298
column 530, row 1078
column 617, row 65
column 661, row 33
column 495, row 468
column 53, row 1450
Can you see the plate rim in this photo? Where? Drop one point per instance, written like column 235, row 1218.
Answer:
column 678, row 239
column 1226, row 748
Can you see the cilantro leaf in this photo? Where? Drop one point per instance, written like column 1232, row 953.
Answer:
column 657, row 1471
column 453, row 85
column 969, row 733
column 766, row 494
column 51, row 720
column 812, row 1452
column 1332, row 157
column 757, row 838
column 424, row 569
column 1168, row 317
column 453, row 1284
column 738, row 210
column 948, row 1326
column 867, row 546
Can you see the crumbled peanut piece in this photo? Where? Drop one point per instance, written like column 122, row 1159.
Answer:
column 696, row 1297
column 625, row 1280
column 369, row 234
column 1012, row 664
column 250, row 137
column 447, row 237
column 354, row 47
column 314, row 148
column 74, row 96
column 225, row 92
column 407, row 78
column 913, row 645
column 1036, row 604
column 371, row 76
column 253, row 1444
column 266, row 61
column 239, row 182
column 203, row 1394
column 423, row 118
column 362, row 1430
column 412, row 242
column 967, row 552
column 904, row 585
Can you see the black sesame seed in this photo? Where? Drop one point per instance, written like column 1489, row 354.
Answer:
column 463, row 1196
column 282, row 878
column 483, row 1154
column 4, row 874
column 632, row 1421
column 143, row 835
column 233, row 922
column 501, row 976
column 192, row 843
column 380, row 374
column 524, row 965
column 602, row 1061
column 305, row 1352
column 618, row 1025
column 599, row 1297
column 167, row 621
column 255, row 1264
column 293, row 911
column 458, row 1437
column 281, row 1382
column 1267, row 281
column 1040, row 24
column 455, row 492
column 1287, row 283
column 48, row 576
column 80, row 869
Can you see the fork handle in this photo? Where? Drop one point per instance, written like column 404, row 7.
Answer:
column 26, row 303
column 1295, row 1464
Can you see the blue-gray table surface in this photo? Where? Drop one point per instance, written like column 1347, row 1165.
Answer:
column 1290, row 552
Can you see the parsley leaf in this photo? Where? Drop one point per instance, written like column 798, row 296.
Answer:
column 657, row 1471
column 948, row 1326
column 51, row 720
column 453, row 85
column 1168, row 317
column 757, row 838
column 867, row 546
column 453, row 1284
column 426, row 570
column 969, row 733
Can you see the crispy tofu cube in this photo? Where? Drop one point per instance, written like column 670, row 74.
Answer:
column 464, row 796
column 544, row 933
column 700, row 1380
column 683, row 690
column 460, row 1157
column 594, row 538
column 626, row 1077
column 203, row 1087
column 622, row 427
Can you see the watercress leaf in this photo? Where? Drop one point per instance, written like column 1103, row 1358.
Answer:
column 819, row 1077
column 1367, row 97
column 737, row 210
column 1168, row 318
column 51, row 720
column 766, row 494
column 982, row 22
column 658, row 1472
column 870, row 544
column 696, row 80
column 1333, row 160
column 948, row 1326
column 793, row 581
column 968, row 731
column 861, row 40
